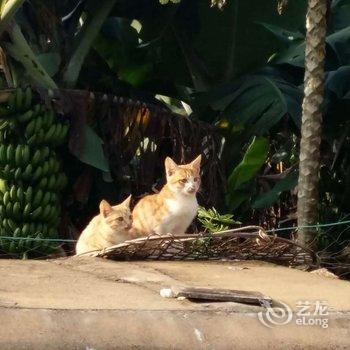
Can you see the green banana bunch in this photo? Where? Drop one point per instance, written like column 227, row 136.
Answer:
column 19, row 101
column 19, row 203
column 30, row 174
column 38, row 132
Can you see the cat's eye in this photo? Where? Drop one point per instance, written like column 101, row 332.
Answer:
column 196, row 179
column 120, row 219
column 183, row 181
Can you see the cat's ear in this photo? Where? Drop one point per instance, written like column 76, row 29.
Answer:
column 170, row 166
column 126, row 202
column 105, row 208
column 196, row 164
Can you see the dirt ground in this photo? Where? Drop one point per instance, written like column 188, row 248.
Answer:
column 91, row 303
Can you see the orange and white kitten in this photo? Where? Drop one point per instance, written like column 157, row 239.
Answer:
column 172, row 209
column 111, row 226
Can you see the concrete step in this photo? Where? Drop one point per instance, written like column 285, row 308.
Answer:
column 91, row 303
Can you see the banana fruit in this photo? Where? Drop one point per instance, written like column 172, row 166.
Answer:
column 30, row 173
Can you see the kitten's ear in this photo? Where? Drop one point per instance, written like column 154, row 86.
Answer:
column 196, row 164
column 105, row 208
column 126, row 202
column 170, row 166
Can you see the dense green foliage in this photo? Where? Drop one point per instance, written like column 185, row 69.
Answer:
column 239, row 68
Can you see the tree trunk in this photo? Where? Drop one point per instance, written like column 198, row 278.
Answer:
column 311, row 120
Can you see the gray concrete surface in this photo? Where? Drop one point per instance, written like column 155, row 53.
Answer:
column 90, row 303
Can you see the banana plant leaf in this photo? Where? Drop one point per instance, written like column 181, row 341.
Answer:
column 256, row 101
column 338, row 81
column 91, row 151
column 254, row 158
column 271, row 197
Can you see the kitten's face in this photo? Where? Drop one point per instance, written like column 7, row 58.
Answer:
column 183, row 179
column 117, row 217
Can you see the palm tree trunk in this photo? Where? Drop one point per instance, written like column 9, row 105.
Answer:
column 312, row 120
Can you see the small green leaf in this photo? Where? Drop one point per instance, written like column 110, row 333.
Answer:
column 213, row 221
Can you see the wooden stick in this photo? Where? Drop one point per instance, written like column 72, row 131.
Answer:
column 215, row 294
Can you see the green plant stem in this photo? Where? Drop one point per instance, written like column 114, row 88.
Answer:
column 8, row 10
column 89, row 32
column 20, row 50
column 197, row 68
column 232, row 48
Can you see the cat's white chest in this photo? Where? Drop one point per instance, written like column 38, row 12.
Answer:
column 183, row 206
column 181, row 212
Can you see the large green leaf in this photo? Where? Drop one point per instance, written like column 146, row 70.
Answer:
column 91, row 151
column 253, row 159
column 285, row 36
column 294, row 55
column 340, row 15
column 118, row 45
column 203, row 44
column 339, row 3
column 98, row 14
column 338, row 81
column 242, row 42
column 340, row 43
column 254, row 97
column 338, row 39
column 236, row 198
column 121, row 30
column 260, row 102
column 269, row 198
column 50, row 61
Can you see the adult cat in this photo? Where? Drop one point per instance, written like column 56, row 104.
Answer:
column 172, row 209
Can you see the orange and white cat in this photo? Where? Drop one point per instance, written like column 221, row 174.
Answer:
column 172, row 209
column 111, row 226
